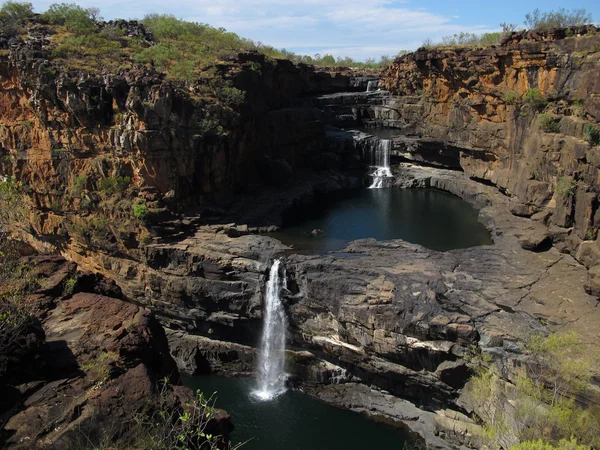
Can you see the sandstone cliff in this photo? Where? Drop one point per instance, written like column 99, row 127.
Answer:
column 522, row 115
column 90, row 146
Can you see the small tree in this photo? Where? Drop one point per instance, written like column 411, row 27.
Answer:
column 76, row 19
column 15, row 12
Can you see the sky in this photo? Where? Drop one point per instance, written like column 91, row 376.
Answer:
column 356, row 28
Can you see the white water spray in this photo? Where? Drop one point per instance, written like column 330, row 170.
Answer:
column 371, row 85
column 380, row 160
column 271, row 359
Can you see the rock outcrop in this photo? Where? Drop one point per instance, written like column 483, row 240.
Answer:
column 99, row 365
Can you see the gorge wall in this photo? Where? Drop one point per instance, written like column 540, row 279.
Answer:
column 393, row 315
column 484, row 107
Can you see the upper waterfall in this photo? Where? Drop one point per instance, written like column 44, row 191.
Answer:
column 271, row 360
column 372, row 85
column 380, row 161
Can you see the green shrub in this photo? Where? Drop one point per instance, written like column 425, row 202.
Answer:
column 231, row 96
column 534, row 99
column 15, row 12
column 75, row 18
column 166, row 26
column 114, row 185
column 69, row 286
column 92, row 45
column 548, row 123
column 565, row 186
column 471, row 39
column 112, row 32
column 12, row 207
column 140, row 212
column 509, row 97
column 541, row 399
column 169, row 422
column 591, row 133
column 563, row 444
column 80, row 184
column 206, row 125
column 538, row 20
column 254, row 66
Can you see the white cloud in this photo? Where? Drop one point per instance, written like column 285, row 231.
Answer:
column 357, row 28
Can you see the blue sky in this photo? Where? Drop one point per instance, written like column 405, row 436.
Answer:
column 356, row 28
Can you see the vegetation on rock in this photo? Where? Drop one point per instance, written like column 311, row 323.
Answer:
column 534, row 100
column 535, row 20
column 140, row 212
column 541, row 20
column 463, row 39
column 591, row 133
column 565, row 186
column 544, row 411
column 14, row 13
column 563, row 444
column 549, row 123
column 16, row 318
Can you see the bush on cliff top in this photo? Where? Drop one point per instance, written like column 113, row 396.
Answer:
column 14, row 13
column 76, row 19
column 538, row 20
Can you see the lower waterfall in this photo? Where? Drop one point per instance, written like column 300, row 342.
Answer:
column 271, row 359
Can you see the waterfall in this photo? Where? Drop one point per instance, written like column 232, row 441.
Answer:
column 271, row 359
column 380, row 161
column 371, row 85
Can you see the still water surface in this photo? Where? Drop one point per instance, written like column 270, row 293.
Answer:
column 294, row 421
column 435, row 219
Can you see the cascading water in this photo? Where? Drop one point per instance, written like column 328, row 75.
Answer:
column 371, row 85
column 271, row 359
column 380, row 159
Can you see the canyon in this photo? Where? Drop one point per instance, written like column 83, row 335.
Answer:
column 387, row 328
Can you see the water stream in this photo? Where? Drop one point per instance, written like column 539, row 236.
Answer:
column 372, row 85
column 271, row 360
column 380, row 162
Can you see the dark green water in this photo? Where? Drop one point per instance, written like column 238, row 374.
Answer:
column 435, row 219
column 294, row 421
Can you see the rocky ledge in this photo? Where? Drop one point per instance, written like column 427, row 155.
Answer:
column 90, row 366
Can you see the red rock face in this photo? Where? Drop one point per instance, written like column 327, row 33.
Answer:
column 487, row 103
